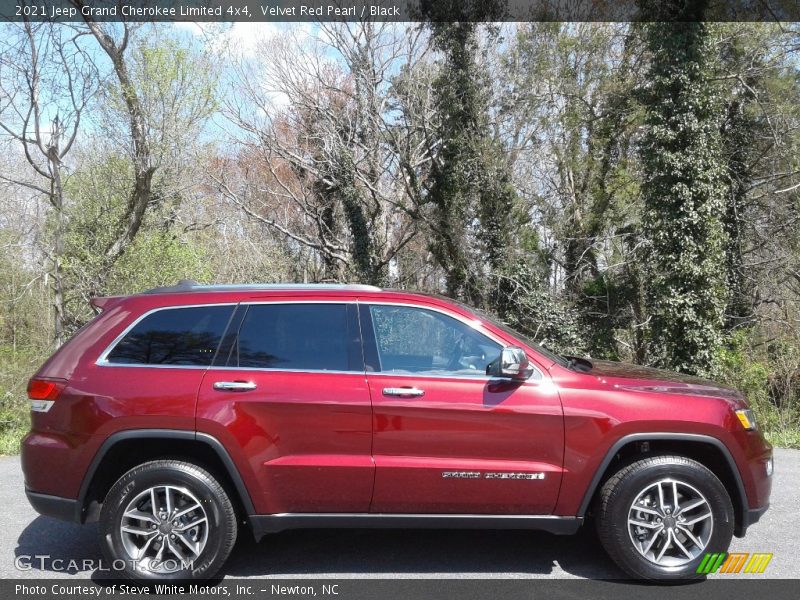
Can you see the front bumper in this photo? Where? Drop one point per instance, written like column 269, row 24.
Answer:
column 65, row 509
column 750, row 517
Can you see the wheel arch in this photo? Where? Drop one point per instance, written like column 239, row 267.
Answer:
column 694, row 446
column 113, row 459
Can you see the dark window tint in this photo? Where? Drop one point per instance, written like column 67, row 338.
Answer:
column 294, row 336
column 175, row 336
column 415, row 340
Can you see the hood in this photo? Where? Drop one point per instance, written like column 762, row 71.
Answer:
column 639, row 378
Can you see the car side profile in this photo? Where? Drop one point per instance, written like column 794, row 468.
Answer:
column 180, row 417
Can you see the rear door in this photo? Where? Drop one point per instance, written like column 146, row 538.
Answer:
column 149, row 376
column 288, row 392
column 447, row 438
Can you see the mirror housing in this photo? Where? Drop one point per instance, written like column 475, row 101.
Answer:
column 512, row 364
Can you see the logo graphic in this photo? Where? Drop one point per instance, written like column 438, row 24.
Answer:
column 734, row 562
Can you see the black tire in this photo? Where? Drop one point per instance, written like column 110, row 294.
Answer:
column 619, row 493
column 216, row 507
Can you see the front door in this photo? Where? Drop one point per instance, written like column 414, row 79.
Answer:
column 447, row 438
column 291, row 398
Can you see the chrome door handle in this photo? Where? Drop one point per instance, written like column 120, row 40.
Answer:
column 403, row 391
column 235, row 386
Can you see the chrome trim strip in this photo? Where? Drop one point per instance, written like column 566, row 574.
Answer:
column 102, row 360
column 362, row 373
column 271, row 370
column 475, row 324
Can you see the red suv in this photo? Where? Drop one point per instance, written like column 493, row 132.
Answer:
column 181, row 415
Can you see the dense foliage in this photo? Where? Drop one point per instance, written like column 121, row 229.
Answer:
column 624, row 191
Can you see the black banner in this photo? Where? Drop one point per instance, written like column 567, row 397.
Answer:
column 396, row 10
column 406, row 589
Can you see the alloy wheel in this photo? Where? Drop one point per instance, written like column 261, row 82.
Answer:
column 164, row 528
column 670, row 522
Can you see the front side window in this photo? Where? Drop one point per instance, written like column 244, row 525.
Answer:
column 294, row 337
column 174, row 336
column 417, row 340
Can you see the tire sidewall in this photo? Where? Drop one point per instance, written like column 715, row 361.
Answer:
column 201, row 485
column 637, row 480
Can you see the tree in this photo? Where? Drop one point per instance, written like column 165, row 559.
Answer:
column 159, row 96
column 47, row 82
column 161, row 253
column 163, row 93
column 469, row 187
column 320, row 170
column 683, row 190
column 143, row 167
column 569, row 114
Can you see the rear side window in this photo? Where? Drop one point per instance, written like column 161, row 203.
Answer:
column 294, row 337
column 174, row 336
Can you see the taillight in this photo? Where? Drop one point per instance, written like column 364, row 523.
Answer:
column 42, row 393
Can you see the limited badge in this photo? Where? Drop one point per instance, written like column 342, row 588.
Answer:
column 514, row 476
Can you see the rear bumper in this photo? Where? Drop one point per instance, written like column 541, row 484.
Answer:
column 65, row 509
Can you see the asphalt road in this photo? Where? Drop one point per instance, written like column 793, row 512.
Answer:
column 387, row 553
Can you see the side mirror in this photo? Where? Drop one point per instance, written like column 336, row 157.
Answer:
column 511, row 364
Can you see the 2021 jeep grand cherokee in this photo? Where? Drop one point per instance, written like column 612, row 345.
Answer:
column 180, row 415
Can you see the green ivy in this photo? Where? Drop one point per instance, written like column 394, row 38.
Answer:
column 684, row 191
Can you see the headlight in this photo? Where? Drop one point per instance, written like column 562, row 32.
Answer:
column 747, row 418
column 769, row 467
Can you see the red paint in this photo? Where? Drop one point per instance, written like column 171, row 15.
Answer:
column 462, row 425
column 303, row 440
column 332, row 442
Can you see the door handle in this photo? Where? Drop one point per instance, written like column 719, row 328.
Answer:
column 403, row 391
column 235, row 386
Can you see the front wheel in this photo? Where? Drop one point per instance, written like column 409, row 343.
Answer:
column 659, row 516
column 167, row 520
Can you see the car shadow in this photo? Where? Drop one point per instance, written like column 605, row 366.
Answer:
column 392, row 552
column 50, row 545
column 375, row 553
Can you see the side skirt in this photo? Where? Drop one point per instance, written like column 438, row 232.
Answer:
column 266, row 524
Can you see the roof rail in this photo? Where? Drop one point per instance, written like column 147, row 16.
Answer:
column 189, row 285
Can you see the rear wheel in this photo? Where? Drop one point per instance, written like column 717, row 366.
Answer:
column 167, row 520
column 659, row 516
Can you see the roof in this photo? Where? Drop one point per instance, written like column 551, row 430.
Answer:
column 187, row 285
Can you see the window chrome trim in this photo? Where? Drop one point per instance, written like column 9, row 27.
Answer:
column 475, row 324
column 361, row 373
column 102, row 360
column 273, row 370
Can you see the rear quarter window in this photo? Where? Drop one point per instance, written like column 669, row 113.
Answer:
column 173, row 336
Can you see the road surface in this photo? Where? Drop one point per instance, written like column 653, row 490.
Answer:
column 384, row 554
